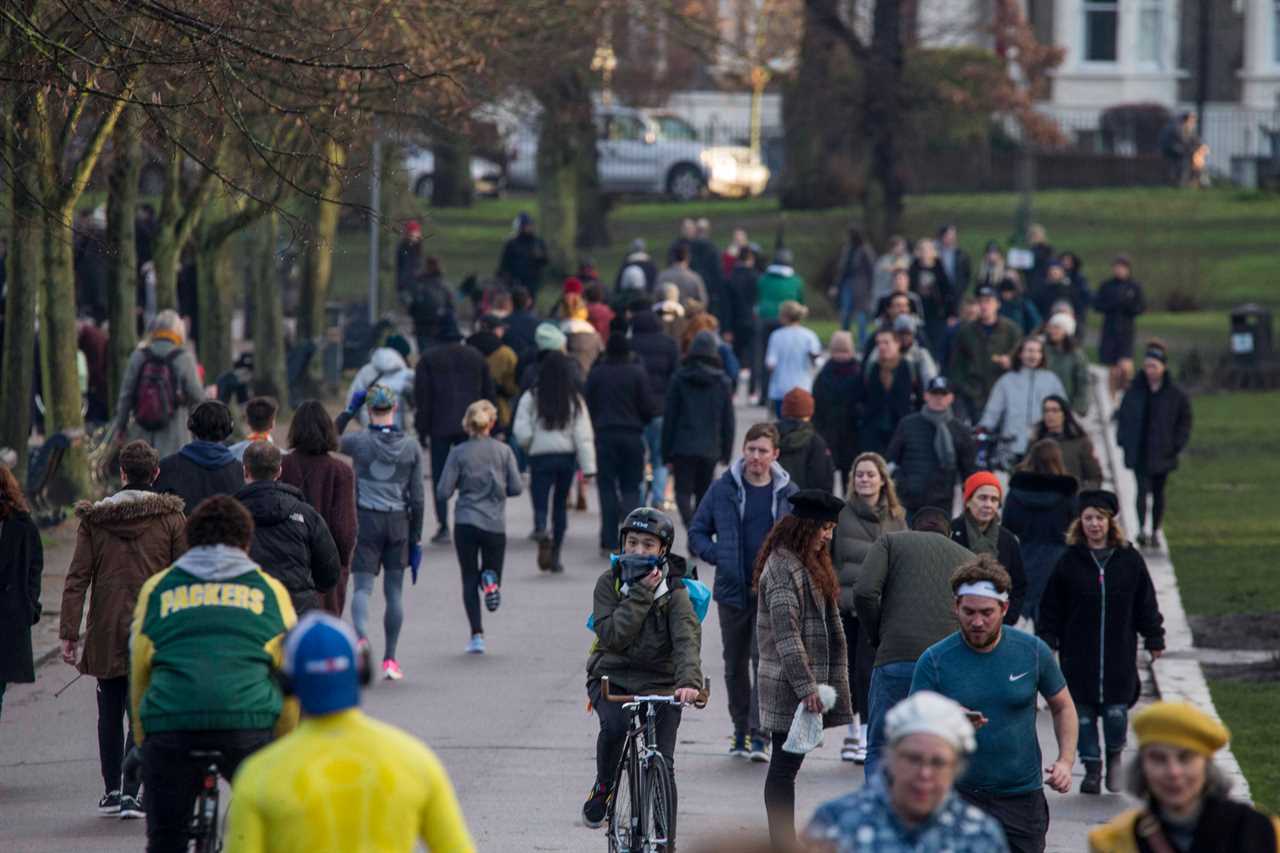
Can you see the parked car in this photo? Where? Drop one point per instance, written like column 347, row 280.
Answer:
column 420, row 167
column 733, row 172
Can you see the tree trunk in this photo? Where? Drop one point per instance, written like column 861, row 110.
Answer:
column 451, row 184
column 559, row 150
column 317, row 269
column 216, row 281
column 593, row 204
column 25, row 275
column 122, row 274
column 883, row 116
column 62, row 397
column 166, row 249
column 269, row 376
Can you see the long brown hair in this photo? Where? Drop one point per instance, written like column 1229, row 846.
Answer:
column 11, row 497
column 1044, row 457
column 797, row 535
column 1115, row 533
column 888, row 500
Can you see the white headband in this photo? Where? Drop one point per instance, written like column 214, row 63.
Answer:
column 986, row 589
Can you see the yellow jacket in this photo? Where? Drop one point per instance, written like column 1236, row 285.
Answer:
column 1119, row 835
column 345, row 783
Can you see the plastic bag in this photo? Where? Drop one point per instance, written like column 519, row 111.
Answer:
column 806, row 727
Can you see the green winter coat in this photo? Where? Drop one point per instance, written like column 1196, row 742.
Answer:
column 972, row 370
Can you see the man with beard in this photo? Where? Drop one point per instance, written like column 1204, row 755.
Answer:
column 995, row 672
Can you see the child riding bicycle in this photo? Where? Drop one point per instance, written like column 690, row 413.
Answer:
column 648, row 640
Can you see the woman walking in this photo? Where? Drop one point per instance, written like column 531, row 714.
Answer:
column 554, row 429
column 21, row 564
column 160, row 388
column 837, row 395
column 1099, row 599
column 1039, row 509
column 1016, row 400
column 1067, row 360
column 1078, row 459
column 483, row 471
column 790, row 354
column 327, row 483
column 698, row 423
column 801, row 640
column 1153, row 428
column 1120, row 300
column 872, row 509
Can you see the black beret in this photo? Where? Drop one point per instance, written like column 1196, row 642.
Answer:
column 816, row 505
column 1098, row 499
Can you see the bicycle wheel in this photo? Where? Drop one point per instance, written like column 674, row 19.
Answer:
column 657, row 806
column 205, row 833
column 624, row 804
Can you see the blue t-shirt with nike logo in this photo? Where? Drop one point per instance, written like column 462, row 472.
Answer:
column 1002, row 684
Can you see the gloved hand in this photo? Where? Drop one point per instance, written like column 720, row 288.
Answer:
column 415, row 560
column 357, row 400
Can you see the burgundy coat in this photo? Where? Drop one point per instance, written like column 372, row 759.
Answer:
column 329, row 485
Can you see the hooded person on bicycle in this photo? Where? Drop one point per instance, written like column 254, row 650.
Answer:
column 648, row 641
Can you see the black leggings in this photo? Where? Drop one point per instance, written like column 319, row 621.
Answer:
column 693, row 477
column 1151, row 484
column 780, row 793
column 478, row 550
column 113, row 713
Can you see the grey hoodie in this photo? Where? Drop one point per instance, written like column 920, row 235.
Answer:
column 388, row 467
column 216, row 562
column 386, row 367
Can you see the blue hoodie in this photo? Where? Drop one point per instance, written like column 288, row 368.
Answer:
column 208, row 454
column 200, row 470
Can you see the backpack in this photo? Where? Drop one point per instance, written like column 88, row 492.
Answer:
column 155, row 395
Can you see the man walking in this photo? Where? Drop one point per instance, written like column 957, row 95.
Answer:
column 524, row 257
column 123, row 540
column 904, row 603
column 930, row 449
column 995, row 672
column 730, row 525
column 260, row 417
column 204, row 467
column 690, row 284
column 291, row 542
column 983, row 352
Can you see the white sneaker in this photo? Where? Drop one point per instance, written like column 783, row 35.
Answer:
column 476, row 646
column 850, row 749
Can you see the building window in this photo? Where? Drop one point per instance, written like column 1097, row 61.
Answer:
column 1100, row 23
column 1151, row 33
column 1275, row 34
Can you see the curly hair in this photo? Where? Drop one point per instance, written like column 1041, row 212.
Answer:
column 138, row 461
column 220, row 520
column 703, row 321
column 11, row 498
column 797, row 535
column 984, row 567
column 888, row 500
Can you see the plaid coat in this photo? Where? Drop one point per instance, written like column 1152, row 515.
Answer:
column 802, row 645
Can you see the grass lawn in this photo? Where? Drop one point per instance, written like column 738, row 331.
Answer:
column 1249, row 710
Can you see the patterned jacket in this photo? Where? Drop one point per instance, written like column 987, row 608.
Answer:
column 802, row 645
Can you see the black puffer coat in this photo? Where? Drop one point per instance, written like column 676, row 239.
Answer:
column 1153, row 429
column 291, row 542
column 837, row 394
column 1039, row 509
column 1009, row 554
column 805, row 455
column 1095, row 625
column 660, row 354
column 920, row 477
column 883, row 408
column 699, row 419
column 21, row 564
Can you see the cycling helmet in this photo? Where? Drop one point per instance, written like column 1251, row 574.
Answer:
column 651, row 521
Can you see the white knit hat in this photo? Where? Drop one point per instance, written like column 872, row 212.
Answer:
column 1065, row 322
column 931, row 714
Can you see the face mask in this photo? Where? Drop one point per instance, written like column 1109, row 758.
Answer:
column 633, row 567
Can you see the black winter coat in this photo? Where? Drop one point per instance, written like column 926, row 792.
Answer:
column 193, row 482
column 291, row 542
column 805, row 456
column 882, row 409
column 448, row 379
column 658, row 352
column 21, row 564
column 524, row 257
column 699, row 419
column 1093, row 619
column 742, row 281
column 1009, row 553
column 618, row 395
column 1153, row 429
column 837, row 394
column 1039, row 509
column 1120, row 303
column 920, row 478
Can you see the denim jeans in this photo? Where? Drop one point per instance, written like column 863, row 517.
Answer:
column 619, row 479
column 890, row 684
column 653, row 441
column 1115, row 727
column 550, row 479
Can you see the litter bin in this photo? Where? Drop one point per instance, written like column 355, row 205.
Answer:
column 1250, row 334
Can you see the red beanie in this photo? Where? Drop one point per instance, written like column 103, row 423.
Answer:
column 572, row 285
column 980, row 479
column 798, row 403
column 412, row 228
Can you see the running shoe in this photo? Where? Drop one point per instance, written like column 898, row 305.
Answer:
column 759, row 750
column 490, row 590
column 476, row 646
column 391, row 670
column 131, row 808
column 596, row 806
column 739, row 747
column 109, row 805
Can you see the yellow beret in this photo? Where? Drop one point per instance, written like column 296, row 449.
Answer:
column 1182, row 725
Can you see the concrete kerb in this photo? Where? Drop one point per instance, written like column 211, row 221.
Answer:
column 1177, row 675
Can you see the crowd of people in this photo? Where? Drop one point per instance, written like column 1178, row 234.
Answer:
column 847, row 591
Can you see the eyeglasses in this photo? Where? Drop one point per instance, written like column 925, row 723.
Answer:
column 916, row 762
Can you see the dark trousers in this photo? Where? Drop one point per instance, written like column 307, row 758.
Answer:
column 1024, row 817
column 780, row 793
column 693, row 478
column 741, row 665
column 440, row 447
column 861, row 657
column 478, row 551
column 113, row 715
column 1153, row 485
column 550, row 478
column 619, row 479
column 173, row 777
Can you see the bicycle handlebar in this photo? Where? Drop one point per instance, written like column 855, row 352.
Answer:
column 699, row 702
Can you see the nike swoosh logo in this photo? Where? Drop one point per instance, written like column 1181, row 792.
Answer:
column 1016, row 677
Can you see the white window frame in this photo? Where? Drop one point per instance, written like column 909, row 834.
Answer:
column 1160, row 7
column 1275, row 33
column 1086, row 8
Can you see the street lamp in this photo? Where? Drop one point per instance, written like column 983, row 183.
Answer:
column 605, row 61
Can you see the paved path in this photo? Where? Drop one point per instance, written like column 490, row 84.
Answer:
column 510, row 726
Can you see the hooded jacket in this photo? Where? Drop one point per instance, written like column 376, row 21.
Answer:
column 291, row 542
column 450, row 377
column 805, row 455
column 778, row 284
column 386, row 367
column 200, row 470
column 502, row 361
column 174, row 435
column 388, row 468
column 537, row 439
column 618, row 395
column 698, row 418
column 1015, row 405
column 715, row 534
column 658, row 352
column 122, row 541
column 1039, row 509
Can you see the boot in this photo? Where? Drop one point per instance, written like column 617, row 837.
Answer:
column 1115, row 774
column 582, row 497
column 557, row 567
column 545, row 549
column 1092, row 783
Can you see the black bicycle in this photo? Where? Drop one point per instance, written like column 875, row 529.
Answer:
column 204, row 818
column 642, row 805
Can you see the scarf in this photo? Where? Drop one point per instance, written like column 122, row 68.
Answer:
column 944, row 446
column 259, row 436
column 166, row 335
column 982, row 542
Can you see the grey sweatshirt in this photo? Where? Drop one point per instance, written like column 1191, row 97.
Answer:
column 388, row 467
column 484, row 473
